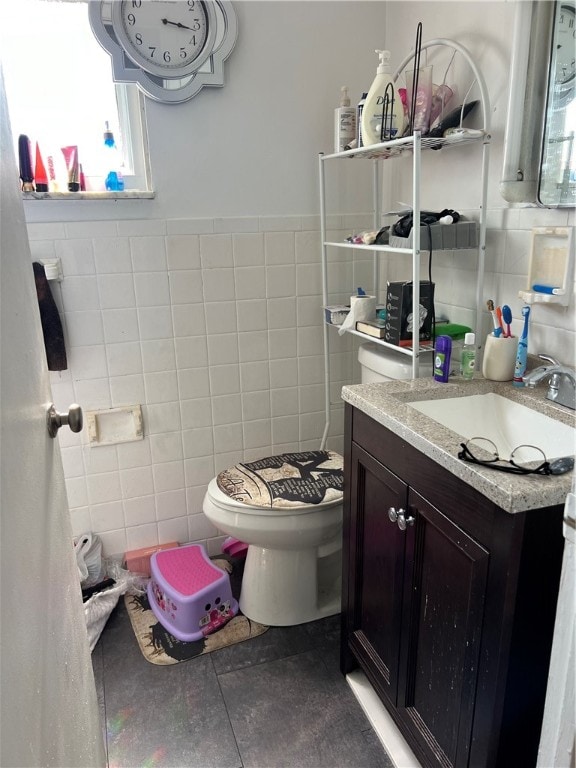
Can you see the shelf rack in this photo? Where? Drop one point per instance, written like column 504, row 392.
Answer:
column 413, row 145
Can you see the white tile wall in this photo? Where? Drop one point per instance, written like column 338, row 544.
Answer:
column 214, row 326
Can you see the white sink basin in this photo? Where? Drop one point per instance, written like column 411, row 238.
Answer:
column 507, row 423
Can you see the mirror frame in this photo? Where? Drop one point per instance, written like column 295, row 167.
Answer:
column 556, row 188
column 527, row 102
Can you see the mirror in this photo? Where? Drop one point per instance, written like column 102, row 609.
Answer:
column 558, row 167
column 539, row 153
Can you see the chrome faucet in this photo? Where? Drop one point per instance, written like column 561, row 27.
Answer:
column 561, row 381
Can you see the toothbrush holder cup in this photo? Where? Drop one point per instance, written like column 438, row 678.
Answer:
column 499, row 357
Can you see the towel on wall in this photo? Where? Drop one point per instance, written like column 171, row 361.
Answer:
column 51, row 323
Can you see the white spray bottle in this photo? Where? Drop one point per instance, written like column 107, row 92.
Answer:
column 372, row 114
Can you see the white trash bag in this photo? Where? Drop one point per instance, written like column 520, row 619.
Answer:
column 88, row 551
column 100, row 605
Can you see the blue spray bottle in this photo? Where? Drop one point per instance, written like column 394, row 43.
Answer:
column 114, row 181
column 522, row 353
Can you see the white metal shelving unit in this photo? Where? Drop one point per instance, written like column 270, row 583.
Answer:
column 412, row 145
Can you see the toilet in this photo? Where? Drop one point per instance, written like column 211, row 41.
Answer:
column 292, row 573
column 288, row 509
column 378, row 363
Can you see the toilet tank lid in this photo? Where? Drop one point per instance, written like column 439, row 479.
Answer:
column 288, row 480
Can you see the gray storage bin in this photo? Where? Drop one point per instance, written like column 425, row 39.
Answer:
column 445, row 237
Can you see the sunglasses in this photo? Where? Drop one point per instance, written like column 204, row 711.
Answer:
column 524, row 459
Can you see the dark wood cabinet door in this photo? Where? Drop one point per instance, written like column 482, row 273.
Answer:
column 445, row 586
column 376, row 572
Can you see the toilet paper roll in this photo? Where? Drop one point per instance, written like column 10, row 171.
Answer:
column 361, row 308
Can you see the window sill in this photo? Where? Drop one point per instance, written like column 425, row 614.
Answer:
column 128, row 194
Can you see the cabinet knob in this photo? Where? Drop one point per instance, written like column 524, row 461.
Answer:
column 403, row 521
column 393, row 514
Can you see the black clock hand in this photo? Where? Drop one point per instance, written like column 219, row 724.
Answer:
column 176, row 24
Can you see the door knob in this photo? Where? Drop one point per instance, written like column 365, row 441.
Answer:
column 393, row 514
column 55, row 420
column 403, row 521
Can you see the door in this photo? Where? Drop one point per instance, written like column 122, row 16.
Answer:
column 376, row 571
column 48, row 707
column 445, row 586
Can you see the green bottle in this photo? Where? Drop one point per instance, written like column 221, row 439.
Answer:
column 468, row 357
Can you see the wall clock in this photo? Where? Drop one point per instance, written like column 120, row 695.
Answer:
column 169, row 48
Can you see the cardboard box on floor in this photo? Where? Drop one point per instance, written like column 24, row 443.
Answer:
column 138, row 560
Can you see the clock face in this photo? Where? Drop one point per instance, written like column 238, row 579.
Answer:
column 565, row 47
column 169, row 39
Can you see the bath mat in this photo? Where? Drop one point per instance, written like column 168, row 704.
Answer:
column 287, row 480
column 158, row 646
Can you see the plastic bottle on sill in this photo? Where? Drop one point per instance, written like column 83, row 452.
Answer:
column 344, row 122
column 468, row 357
column 114, row 181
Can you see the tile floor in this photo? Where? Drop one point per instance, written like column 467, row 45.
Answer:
column 278, row 700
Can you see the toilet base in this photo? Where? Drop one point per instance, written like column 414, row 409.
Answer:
column 286, row 587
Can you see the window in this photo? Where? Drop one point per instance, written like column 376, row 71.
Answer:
column 60, row 92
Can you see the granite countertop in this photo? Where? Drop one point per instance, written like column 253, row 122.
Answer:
column 388, row 404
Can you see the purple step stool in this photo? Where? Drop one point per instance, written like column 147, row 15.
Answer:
column 189, row 595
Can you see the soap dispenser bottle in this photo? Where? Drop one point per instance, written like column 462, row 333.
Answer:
column 344, row 122
column 382, row 101
column 114, row 181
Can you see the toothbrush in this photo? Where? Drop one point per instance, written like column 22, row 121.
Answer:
column 499, row 316
column 507, row 317
column 497, row 330
column 521, row 355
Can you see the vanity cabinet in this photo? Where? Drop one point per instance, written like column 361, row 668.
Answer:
column 448, row 603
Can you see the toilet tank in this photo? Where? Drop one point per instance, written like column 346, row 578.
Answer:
column 379, row 363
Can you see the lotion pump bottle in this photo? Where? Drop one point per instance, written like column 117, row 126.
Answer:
column 344, row 122
column 372, row 113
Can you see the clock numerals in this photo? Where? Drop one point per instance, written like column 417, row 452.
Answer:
column 166, row 36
